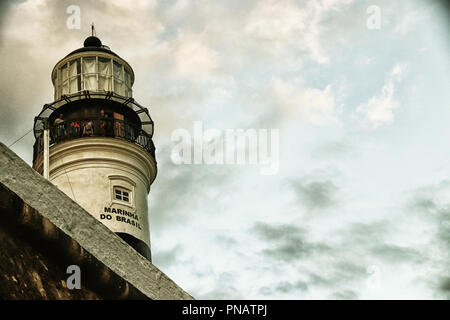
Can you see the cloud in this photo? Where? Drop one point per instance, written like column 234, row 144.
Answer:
column 315, row 194
column 410, row 20
column 367, row 233
column 192, row 55
column 314, row 105
column 379, row 110
column 286, row 242
column 165, row 258
column 432, row 204
column 284, row 287
column 274, row 20
column 334, row 149
column 394, row 253
column 294, row 25
column 224, row 288
column 345, row 295
column 176, row 191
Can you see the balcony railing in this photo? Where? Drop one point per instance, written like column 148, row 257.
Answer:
column 95, row 127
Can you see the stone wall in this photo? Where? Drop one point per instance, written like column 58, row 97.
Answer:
column 42, row 232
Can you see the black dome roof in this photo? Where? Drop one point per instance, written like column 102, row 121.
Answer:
column 92, row 42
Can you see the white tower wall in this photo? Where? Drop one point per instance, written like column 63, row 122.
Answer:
column 90, row 169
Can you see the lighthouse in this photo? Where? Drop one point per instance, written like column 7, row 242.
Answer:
column 94, row 141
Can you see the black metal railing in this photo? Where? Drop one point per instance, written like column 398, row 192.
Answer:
column 62, row 131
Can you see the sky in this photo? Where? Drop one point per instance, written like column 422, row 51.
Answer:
column 358, row 91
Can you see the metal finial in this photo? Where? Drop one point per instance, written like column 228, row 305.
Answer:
column 93, row 29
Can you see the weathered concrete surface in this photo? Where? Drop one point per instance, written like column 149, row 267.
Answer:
column 42, row 231
column 26, row 273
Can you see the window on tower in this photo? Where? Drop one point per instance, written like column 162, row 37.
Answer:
column 122, row 194
column 122, row 190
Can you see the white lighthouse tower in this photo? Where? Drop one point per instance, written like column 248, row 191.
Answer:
column 100, row 150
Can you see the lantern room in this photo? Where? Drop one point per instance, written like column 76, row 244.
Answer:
column 95, row 68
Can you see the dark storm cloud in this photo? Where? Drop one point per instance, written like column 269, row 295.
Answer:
column 339, row 276
column 440, row 213
column 284, row 287
column 286, row 242
column 222, row 292
column 373, row 238
column 345, row 295
column 291, row 244
column 5, row 6
column 348, row 270
column 445, row 7
column 277, row 233
column 316, row 194
column 165, row 259
column 430, row 203
column 224, row 288
column 433, row 205
column 225, row 240
column 340, row 273
column 27, row 86
column 423, row 204
column 397, row 254
column 314, row 279
column 365, row 234
column 181, row 189
column 287, row 287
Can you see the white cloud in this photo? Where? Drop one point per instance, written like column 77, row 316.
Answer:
column 409, row 21
column 288, row 25
column 192, row 55
column 312, row 104
column 379, row 110
column 274, row 20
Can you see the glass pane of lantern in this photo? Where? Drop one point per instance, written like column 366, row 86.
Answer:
column 73, row 85
column 127, row 84
column 89, row 74
column 72, row 69
column 104, row 74
column 118, row 79
column 73, row 81
column 64, row 80
column 65, row 87
column 64, row 74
